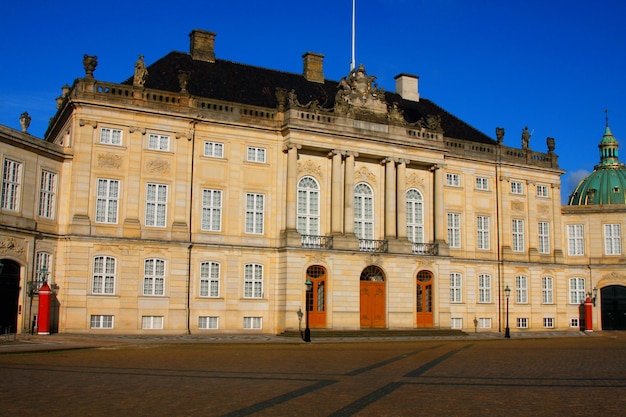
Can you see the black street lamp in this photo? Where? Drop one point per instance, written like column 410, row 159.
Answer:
column 507, row 331
column 307, row 307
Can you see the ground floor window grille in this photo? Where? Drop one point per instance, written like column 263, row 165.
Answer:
column 152, row 322
column 456, row 323
column 252, row 323
column 484, row 323
column 522, row 323
column 548, row 322
column 208, row 322
column 101, row 322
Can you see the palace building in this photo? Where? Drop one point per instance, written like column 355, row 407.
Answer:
column 201, row 195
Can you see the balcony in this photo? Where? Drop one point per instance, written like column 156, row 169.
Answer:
column 419, row 248
column 317, row 242
column 370, row 245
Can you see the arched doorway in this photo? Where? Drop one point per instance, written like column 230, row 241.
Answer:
column 424, row 299
column 316, row 298
column 9, row 295
column 613, row 307
column 373, row 298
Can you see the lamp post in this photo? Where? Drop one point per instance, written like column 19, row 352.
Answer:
column 309, row 289
column 507, row 331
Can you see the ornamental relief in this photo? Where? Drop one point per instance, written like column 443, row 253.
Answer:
column 309, row 167
column 10, row 245
column 517, row 206
column 109, row 160
column 364, row 174
column 415, row 181
column 158, row 166
column 612, row 277
column 376, row 259
column 424, row 264
column 316, row 258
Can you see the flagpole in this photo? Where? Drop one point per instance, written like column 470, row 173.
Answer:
column 353, row 34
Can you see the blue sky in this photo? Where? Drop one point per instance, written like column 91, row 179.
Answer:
column 551, row 65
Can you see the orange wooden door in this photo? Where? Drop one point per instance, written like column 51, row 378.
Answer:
column 316, row 298
column 424, row 300
column 373, row 305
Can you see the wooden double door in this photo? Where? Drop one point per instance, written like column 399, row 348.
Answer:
column 424, row 299
column 316, row 298
column 373, row 296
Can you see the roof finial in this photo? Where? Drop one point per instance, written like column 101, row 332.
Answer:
column 606, row 112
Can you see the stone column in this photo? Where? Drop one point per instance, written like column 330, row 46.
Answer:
column 401, row 198
column 390, row 198
column 349, row 194
column 336, row 211
column 292, row 173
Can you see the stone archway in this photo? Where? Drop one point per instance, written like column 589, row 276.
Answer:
column 9, row 295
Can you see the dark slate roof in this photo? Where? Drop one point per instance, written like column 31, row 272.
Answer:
column 246, row 84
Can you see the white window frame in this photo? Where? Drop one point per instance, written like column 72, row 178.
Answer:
column 454, row 230
column 575, row 240
column 111, row 136
column 211, row 210
column 522, row 323
column 157, row 142
column 47, row 194
column 456, row 323
column 521, row 289
column 482, row 183
column 547, row 290
column 214, row 149
column 484, row 323
column 252, row 323
column 308, row 206
column 156, row 204
column 456, row 287
column 154, row 277
column 11, row 184
column 364, row 211
column 253, row 281
column 210, row 279
column 208, row 322
column 543, row 231
column 152, row 322
column 453, row 180
column 101, row 321
column 517, row 187
column 576, row 322
column 542, row 191
column 255, row 154
column 517, row 231
column 612, row 239
column 548, row 322
column 43, row 265
column 104, row 275
column 255, row 213
column 484, row 288
column 108, row 193
column 577, row 290
column 414, row 216
column 483, row 238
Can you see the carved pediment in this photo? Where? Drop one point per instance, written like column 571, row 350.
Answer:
column 358, row 92
column 413, row 180
column 309, row 167
column 364, row 174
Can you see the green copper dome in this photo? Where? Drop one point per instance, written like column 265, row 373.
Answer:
column 607, row 183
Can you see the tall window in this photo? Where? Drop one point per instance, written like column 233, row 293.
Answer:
column 482, row 232
column 363, row 211
column 214, row 149
column 107, row 200
column 576, row 290
column 209, row 279
column 253, row 281
column 308, row 206
column 482, row 183
column 110, row 136
column 453, row 180
column 547, row 290
column 11, row 184
column 575, row 240
column 542, row 191
column 454, row 230
column 47, row 192
column 255, row 209
column 256, row 154
column 154, row 277
column 456, row 288
column 484, row 288
column 517, row 187
column 103, row 281
column 612, row 239
column 521, row 289
column 518, row 235
column 544, row 237
column 156, row 205
column 43, row 263
column 212, row 210
column 414, row 216
column 158, row 142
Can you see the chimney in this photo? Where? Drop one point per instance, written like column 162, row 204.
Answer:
column 202, row 45
column 313, row 67
column 406, row 86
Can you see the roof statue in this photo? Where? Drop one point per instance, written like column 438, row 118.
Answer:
column 359, row 92
column 525, row 138
column 500, row 134
column 90, row 63
column 141, row 73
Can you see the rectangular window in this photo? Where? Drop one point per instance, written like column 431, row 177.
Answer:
column 103, row 281
column 484, row 323
column 517, row 229
column 482, row 232
column 107, row 200
column 212, row 210
column 522, row 323
column 158, row 142
column 11, row 184
column 576, row 290
column 612, row 239
column 547, row 290
column 517, row 187
column 252, row 322
column 543, row 229
column 484, row 288
column 151, row 322
column 482, row 183
column 576, row 322
column 521, row 289
column 255, row 208
column 110, row 136
column 214, row 149
column 253, row 281
column 456, row 323
column 542, row 191
column 208, row 322
column 456, row 288
column 454, row 230
column 156, row 205
column 548, row 322
column 43, row 263
column 154, row 277
column 101, row 322
column 575, row 240
column 256, row 154
column 453, row 180
column 209, row 279
column 47, row 194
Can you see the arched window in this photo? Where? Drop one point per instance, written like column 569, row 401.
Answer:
column 414, row 216
column 363, row 211
column 373, row 273
column 308, row 206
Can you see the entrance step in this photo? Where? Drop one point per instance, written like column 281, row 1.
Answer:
column 374, row 333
